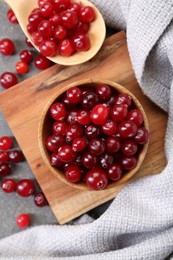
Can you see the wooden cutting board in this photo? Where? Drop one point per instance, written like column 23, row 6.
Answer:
column 22, row 106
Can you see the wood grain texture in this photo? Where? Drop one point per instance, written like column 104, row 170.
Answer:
column 23, row 104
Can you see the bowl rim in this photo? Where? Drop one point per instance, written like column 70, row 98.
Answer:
column 56, row 172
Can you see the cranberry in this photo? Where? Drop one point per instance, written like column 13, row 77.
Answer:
column 59, row 128
column 5, row 169
column 127, row 129
column 40, row 199
column 69, row 19
column 123, row 99
column 89, row 160
column 60, row 32
column 11, row 16
column 8, row 79
column 28, row 42
column 5, row 143
column 55, row 19
column 141, row 136
column 92, row 131
column 106, row 160
column 109, row 127
column 6, row 47
column 15, row 156
column 54, row 142
column 79, row 144
column 81, row 42
column 58, row 111
column 97, row 146
column 72, row 116
column 22, row 67
column 82, row 27
column 35, row 19
column 4, row 157
column 23, row 220
column 83, row 117
column 73, row 173
column 42, row 62
column 66, row 154
column 43, row 2
column 26, row 56
column 128, row 162
column 37, row 38
column 25, row 188
column 114, row 172
column 119, row 113
column 45, row 29
column 112, row 144
column 55, row 159
column 96, row 179
column 61, row 5
column 136, row 116
column 99, row 114
column 74, row 131
column 87, row 14
column 104, row 92
column 48, row 48
column 89, row 100
column 46, row 9
column 74, row 95
column 8, row 185
column 75, row 7
column 66, row 47
column 129, row 147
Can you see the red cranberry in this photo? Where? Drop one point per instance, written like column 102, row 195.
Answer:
column 83, row 117
column 34, row 19
column 97, row 146
column 72, row 116
column 6, row 47
column 128, row 162
column 5, row 143
column 89, row 160
column 129, row 147
column 141, row 136
column 22, row 67
column 31, row 28
column 55, row 159
column 8, row 80
column 69, row 19
column 45, row 29
column 66, row 154
column 8, row 185
column 74, row 131
column 66, row 47
column 75, row 7
column 43, row 2
column 4, row 157
column 42, row 62
column 59, row 128
column 15, row 156
column 60, row 32
column 46, row 9
column 104, row 92
column 87, row 14
column 73, row 173
column 28, row 42
column 37, row 38
column 26, row 56
column 96, row 179
column 114, row 172
column 54, row 142
column 58, row 111
column 112, row 144
column 11, row 16
column 82, row 27
column 136, row 116
column 99, row 114
column 25, row 188
column 119, row 113
column 23, row 220
column 5, row 169
column 127, row 129
column 61, row 5
column 74, row 95
column 123, row 99
column 106, row 160
column 89, row 100
column 92, row 131
column 79, row 144
column 48, row 48
column 55, row 19
column 109, row 127
column 40, row 199
column 81, row 42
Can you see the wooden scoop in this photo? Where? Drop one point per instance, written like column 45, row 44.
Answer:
column 97, row 32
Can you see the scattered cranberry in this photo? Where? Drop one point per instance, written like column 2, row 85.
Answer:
column 15, row 156
column 4, row 157
column 42, row 62
column 8, row 185
column 23, row 220
column 6, row 47
column 40, row 199
column 28, row 42
column 26, row 56
column 22, row 67
column 5, row 143
column 4, row 169
column 25, row 187
column 8, row 80
column 11, row 16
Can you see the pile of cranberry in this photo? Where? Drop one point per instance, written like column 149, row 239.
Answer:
column 97, row 135
column 23, row 187
column 60, row 26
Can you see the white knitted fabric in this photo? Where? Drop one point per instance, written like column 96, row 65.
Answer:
column 139, row 222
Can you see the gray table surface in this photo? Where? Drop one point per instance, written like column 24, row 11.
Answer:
column 12, row 205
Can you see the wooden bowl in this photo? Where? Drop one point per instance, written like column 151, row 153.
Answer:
column 45, row 123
